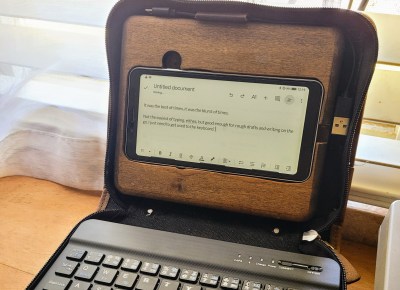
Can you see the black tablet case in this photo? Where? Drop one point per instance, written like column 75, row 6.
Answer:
column 358, row 59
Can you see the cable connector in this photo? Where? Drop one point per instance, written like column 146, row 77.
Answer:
column 340, row 125
column 343, row 111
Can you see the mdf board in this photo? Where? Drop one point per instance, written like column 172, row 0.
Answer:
column 250, row 48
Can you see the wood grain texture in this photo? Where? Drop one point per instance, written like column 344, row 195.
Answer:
column 12, row 278
column 363, row 259
column 35, row 217
column 252, row 48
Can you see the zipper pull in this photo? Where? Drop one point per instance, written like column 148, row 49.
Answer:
column 221, row 17
column 201, row 16
column 161, row 11
column 168, row 12
column 310, row 236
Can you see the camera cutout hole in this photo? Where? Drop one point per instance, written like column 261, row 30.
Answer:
column 172, row 59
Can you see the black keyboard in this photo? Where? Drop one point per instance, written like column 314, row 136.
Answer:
column 103, row 255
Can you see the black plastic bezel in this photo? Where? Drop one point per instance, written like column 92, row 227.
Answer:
column 309, row 132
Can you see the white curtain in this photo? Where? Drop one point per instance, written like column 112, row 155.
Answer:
column 54, row 90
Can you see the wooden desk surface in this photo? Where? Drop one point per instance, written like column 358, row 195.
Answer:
column 37, row 215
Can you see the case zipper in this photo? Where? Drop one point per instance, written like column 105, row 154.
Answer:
column 106, row 37
column 336, row 258
column 356, row 121
column 313, row 236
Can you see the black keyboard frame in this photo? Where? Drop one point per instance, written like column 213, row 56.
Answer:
column 221, row 258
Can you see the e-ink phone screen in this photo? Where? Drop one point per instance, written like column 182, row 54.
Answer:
column 248, row 125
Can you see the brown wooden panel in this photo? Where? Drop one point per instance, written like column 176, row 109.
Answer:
column 252, row 48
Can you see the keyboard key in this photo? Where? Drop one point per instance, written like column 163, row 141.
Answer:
column 94, row 258
column 147, row 283
column 190, row 287
column 230, row 283
column 76, row 255
column 273, row 287
column 169, row 285
column 67, row 268
column 105, row 276
column 80, row 285
column 100, row 287
column 126, row 280
column 251, row 285
column 57, row 283
column 150, row 268
column 86, row 272
column 112, row 261
column 209, row 280
column 130, row 265
column 189, row 276
column 169, row 272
